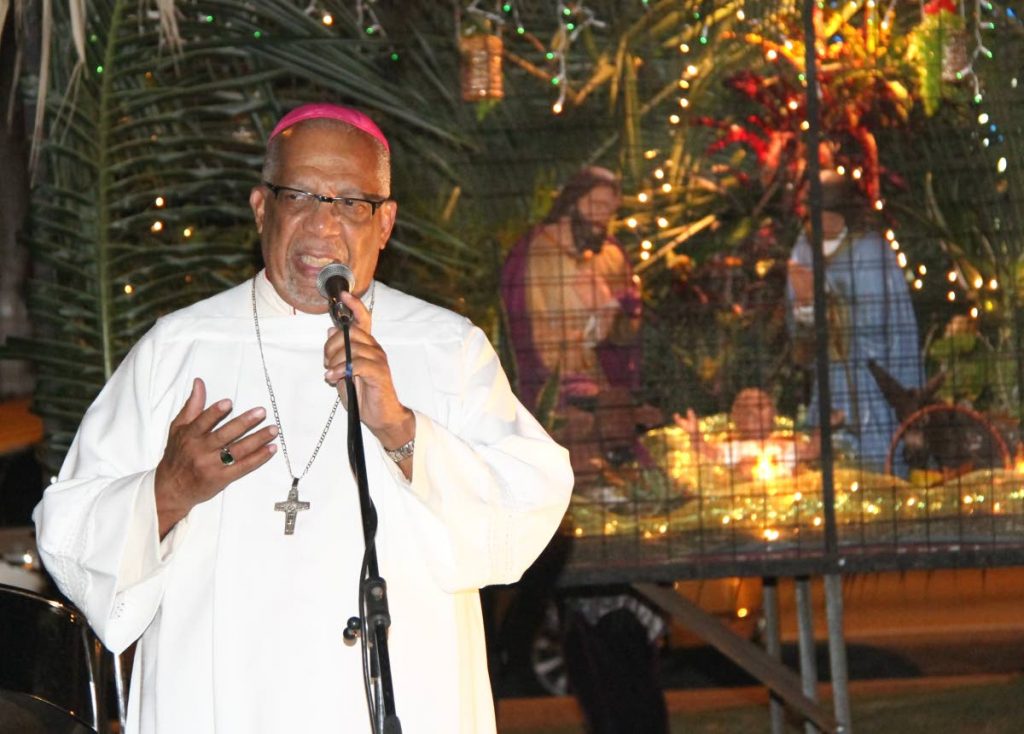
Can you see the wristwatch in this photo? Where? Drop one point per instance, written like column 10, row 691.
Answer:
column 402, row 452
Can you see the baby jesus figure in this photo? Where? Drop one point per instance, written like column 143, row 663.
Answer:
column 753, row 446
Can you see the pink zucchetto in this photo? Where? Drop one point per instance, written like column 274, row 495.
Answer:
column 321, row 111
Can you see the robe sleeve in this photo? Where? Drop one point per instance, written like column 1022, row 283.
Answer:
column 489, row 486
column 96, row 525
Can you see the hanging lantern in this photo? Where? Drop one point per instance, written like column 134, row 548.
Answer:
column 481, row 67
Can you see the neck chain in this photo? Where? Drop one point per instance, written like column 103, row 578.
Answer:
column 292, row 506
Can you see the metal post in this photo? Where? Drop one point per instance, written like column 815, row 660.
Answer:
column 772, row 645
column 805, row 632
column 837, row 652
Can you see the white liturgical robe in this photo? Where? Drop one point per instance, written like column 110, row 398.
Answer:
column 241, row 625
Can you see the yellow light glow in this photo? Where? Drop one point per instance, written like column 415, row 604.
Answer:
column 978, row 281
column 659, row 173
column 646, row 244
column 631, row 222
column 805, row 125
column 159, row 201
column 662, row 222
column 922, row 270
column 857, row 173
column 951, row 296
column 128, row 288
column 648, row 154
column 771, row 55
column 328, row 19
column 683, row 84
column 841, row 170
column 771, row 534
column 685, row 48
column 645, row 255
column 666, row 187
column 951, row 276
column 642, row 197
column 765, row 468
column 692, row 70
column 879, row 205
column 674, row 119
column 918, row 284
column 156, row 226
column 684, row 102
column 974, row 312
column 742, row 612
column 187, row 232
column 557, row 108
column 890, row 235
column 993, row 284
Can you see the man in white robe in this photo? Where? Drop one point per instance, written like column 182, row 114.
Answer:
column 162, row 525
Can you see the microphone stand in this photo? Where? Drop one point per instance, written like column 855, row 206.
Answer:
column 374, row 619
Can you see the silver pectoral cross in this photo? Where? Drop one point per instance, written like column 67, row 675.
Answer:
column 291, row 507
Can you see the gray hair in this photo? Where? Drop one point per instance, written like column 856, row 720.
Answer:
column 272, row 158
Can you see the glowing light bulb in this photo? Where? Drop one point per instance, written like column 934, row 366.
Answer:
column 156, row 226
column 328, row 19
column 771, row 54
column 666, row 187
column 159, row 201
column 631, row 222
column 647, row 244
column 662, row 222
column 659, row 173
column 642, row 197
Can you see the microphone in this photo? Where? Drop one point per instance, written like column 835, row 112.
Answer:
column 332, row 281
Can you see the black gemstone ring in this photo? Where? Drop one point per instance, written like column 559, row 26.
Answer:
column 225, row 457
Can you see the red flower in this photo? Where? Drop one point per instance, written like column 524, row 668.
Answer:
column 937, row 6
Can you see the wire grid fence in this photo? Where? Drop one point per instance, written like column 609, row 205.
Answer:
column 677, row 361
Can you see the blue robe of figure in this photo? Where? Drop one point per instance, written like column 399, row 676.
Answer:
column 870, row 316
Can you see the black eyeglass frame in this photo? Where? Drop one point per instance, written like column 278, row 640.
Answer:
column 375, row 204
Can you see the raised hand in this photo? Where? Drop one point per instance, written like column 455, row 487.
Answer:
column 192, row 470
column 379, row 408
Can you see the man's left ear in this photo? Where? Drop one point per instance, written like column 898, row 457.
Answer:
column 387, row 214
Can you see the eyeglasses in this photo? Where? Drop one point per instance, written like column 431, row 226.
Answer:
column 351, row 209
